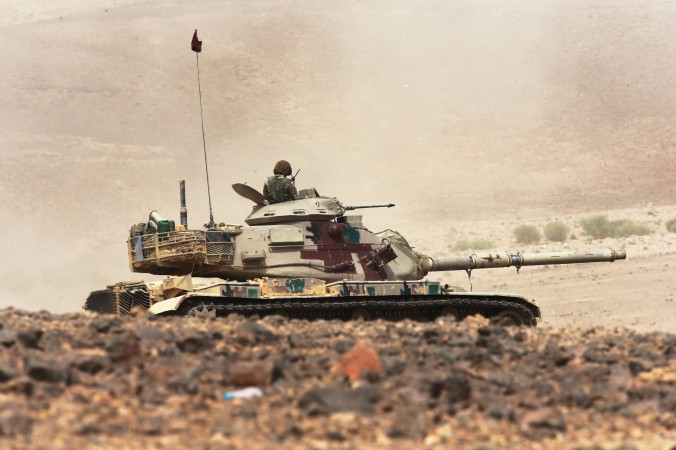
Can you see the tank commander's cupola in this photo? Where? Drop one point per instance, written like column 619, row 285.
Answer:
column 309, row 206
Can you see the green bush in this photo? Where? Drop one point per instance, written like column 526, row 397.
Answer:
column 527, row 234
column 671, row 225
column 599, row 227
column 473, row 244
column 557, row 231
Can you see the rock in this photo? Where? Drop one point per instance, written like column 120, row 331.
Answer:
column 124, row 348
column 89, row 361
column 20, row 385
column 395, row 366
column 86, row 429
column 458, row 389
column 283, row 368
column 30, row 338
column 407, row 424
column 335, row 435
column 195, row 341
column 104, row 324
column 15, row 422
column 498, row 408
column 543, row 422
column 257, row 373
column 170, row 372
column 252, row 332
column 489, row 341
column 8, row 337
column 595, row 354
column 342, row 345
column 332, row 399
column 7, row 372
column 42, row 368
column 149, row 335
column 151, row 425
column 626, row 447
column 431, row 335
column 359, row 359
column 557, row 356
column 442, row 355
column 295, row 340
column 638, row 366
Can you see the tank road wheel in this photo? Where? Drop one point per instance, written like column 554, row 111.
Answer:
column 360, row 314
column 450, row 313
column 509, row 317
column 202, row 311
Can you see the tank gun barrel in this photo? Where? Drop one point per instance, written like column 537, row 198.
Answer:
column 352, row 208
column 518, row 260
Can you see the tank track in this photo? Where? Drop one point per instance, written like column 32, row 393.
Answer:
column 345, row 308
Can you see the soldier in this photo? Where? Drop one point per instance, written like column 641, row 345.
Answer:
column 280, row 187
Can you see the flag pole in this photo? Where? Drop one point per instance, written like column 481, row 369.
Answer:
column 196, row 46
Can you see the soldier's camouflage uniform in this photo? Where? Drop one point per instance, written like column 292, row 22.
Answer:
column 278, row 189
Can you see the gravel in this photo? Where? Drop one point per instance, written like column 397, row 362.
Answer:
column 88, row 381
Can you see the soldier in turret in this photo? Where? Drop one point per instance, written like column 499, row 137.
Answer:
column 280, row 187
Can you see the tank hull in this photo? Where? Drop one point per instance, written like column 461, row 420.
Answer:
column 308, row 298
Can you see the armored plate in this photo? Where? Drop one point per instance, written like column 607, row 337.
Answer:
column 249, row 193
column 321, row 209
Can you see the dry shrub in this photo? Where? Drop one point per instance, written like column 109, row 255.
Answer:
column 625, row 228
column 557, row 231
column 671, row 225
column 599, row 227
column 527, row 234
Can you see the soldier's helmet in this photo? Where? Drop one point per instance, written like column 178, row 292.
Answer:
column 283, row 168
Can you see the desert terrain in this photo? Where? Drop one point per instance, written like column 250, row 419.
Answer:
column 472, row 117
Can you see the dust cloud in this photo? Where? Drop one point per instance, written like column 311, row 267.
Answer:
column 453, row 111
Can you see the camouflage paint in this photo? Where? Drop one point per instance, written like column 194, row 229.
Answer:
column 352, row 234
column 295, row 285
column 337, row 253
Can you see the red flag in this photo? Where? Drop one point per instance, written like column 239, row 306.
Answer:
column 196, row 44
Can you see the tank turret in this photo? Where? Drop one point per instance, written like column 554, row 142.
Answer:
column 313, row 238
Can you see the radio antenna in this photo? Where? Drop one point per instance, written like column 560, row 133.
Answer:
column 196, row 46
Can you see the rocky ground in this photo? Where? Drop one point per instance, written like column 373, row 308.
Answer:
column 80, row 380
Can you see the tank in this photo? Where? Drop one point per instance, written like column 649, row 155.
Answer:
column 310, row 258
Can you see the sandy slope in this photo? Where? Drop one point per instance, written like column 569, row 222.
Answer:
column 468, row 116
column 638, row 292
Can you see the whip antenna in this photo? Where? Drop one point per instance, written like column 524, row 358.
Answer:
column 196, row 46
